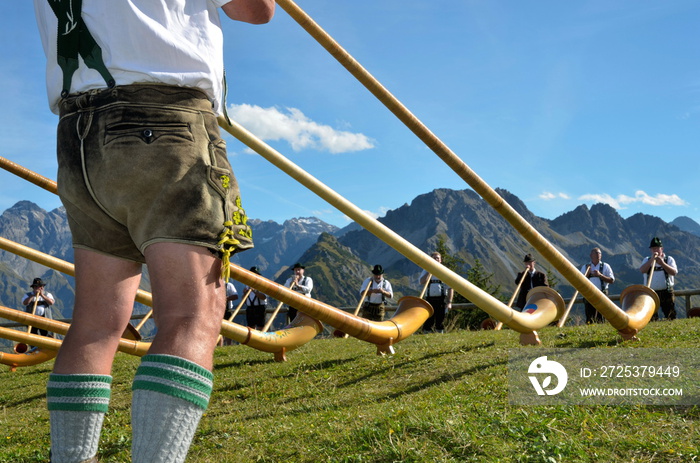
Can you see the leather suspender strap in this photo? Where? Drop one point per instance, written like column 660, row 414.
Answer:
column 74, row 38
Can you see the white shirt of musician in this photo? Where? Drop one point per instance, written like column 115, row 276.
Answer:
column 658, row 279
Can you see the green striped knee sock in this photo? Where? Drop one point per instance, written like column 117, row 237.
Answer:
column 77, row 406
column 170, row 396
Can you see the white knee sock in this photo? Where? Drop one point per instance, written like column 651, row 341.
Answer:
column 170, row 396
column 77, row 406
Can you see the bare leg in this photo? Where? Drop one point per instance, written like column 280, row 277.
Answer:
column 188, row 301
column 104, row 300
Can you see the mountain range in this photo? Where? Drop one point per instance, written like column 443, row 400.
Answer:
column 339, row 260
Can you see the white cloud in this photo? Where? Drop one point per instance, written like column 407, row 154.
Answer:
column 548, row 196
column 298, row 130
column 640, row 196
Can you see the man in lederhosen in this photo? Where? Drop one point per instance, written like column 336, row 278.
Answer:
column 377, row 295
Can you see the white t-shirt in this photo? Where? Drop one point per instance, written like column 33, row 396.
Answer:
column 176, row 42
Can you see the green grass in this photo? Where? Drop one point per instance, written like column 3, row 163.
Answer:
column 439, row 398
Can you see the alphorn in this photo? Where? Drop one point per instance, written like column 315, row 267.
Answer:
column 627, row 322
column 382, row 337
column 571, row 303
column 279, row 341
column 499, row 325
column 408, row 317
column 520, row 322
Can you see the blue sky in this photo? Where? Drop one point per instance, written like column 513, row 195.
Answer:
column 561, row 103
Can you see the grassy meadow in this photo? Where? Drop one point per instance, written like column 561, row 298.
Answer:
column 439, row 398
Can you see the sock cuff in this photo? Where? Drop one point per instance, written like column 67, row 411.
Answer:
column 78, row 392
column 176, row 377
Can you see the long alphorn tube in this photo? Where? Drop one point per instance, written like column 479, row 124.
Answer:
column 499, row 325
column 29, row 175
column 277, row 343
column 275, row 312
column 362, row 298
column 36, row 302
column 403, row 323
column 425, row 286
column 571, row 303
column 569, row 306
column 652, row 267
column 240, row 305
column 143, row 321
column 340, row 334
column 628, row 324
column 520, row 322
column 128, row 346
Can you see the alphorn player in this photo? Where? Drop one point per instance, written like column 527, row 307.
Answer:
column 439, row 295
column 144, row 177
column 601, row 275
column 533, row 278
column 379, row 292
column 255, row 305
column 663, row 278
column 300, row 283
column 38, row 301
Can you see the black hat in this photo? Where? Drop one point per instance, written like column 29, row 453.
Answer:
column 37, row 282
column 254, row 269
column 528, row 258
column 297, row 265
column 378, row 270
column 655, row 243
